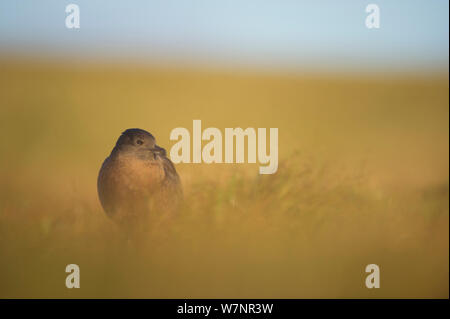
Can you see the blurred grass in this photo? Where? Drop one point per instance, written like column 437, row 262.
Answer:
column 363, row 178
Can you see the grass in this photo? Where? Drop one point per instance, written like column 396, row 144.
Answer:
column 363, row 178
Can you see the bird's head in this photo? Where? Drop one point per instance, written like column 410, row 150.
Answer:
column 140, row 143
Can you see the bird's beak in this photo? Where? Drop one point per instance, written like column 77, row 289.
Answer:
column 158, row 151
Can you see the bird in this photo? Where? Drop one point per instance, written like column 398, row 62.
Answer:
column 137, row 183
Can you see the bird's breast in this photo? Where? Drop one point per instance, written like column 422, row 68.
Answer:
column 138, row 175
column 125, row 179
column 129, row 188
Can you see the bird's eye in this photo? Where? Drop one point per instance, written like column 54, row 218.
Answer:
column 139, row 142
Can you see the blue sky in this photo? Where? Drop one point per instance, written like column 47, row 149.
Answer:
column 263, row 33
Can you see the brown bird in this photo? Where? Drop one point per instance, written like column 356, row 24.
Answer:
column 137, row 181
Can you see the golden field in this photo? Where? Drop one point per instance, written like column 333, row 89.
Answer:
column 363, row 178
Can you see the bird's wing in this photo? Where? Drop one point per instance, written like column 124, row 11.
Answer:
column 171, row 180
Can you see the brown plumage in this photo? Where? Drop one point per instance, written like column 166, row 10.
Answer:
column 137, row 182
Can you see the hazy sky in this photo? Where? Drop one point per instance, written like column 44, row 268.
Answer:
column 269, row 33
